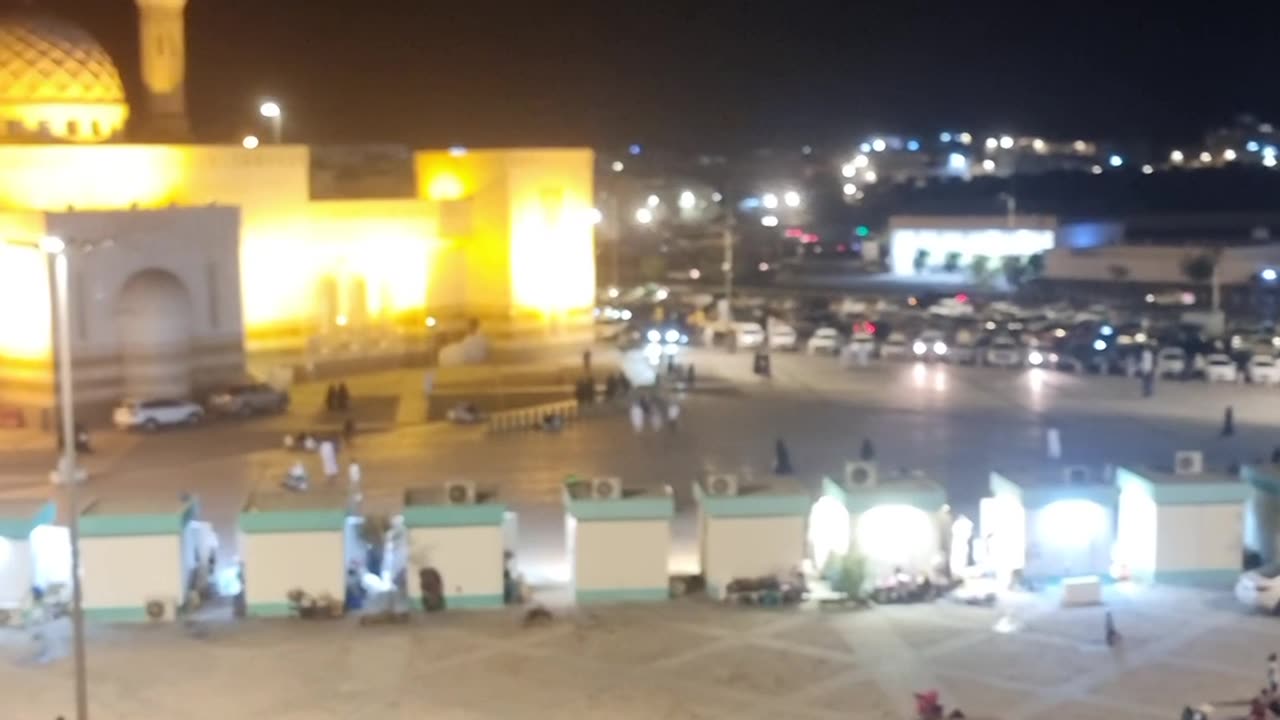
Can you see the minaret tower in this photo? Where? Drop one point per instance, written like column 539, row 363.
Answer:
column 162, row 41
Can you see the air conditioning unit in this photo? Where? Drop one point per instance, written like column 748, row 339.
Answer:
column 160, row 609
column 721, row 484
column 1188, row 462
column 861, row 474
column 1076, row 475
column 606, row 488
column 460, row 492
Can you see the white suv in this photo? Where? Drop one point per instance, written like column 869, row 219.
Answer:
column 154, row 414
column 1260, row 588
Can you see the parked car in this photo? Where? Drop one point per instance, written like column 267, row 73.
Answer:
column 1263, row 369
column 824, row 340
column 1003, row 352
column 155, row 414
column 782, row 336
column 1260, row 588
column 894, row 347
column 930, row 345
column 249, row 400
column 1171, row 362
column 1220, row 368
column 748, row 334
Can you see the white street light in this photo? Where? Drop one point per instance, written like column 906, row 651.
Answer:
column 861, row 161
column 769, row 200
column 848, row 170
column 594, row 216
column 250, row 142
column 870, row 176
column 989, row 165
column 1176, row 156
column 769, row 221
column 688, row 200
column 653, row 201
column 1269, row 161
column 271, row 111
column 1006, row 142
column 1115, row 161
column 644, row 216
column 52, row 245
column 618, row 166
column 965, row 138
column 850, row 189
column 992, row 143
column 1206, row 156
column 1147, row 169
column 1229, row 154
column 791, row 198
column 1096, row 169
column 878, row 145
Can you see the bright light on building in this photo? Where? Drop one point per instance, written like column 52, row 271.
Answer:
column 1039, row 145
column 594, row 216
column 250, row 142
column 1176, row 156
column 653, row 201
column 850, row 189
column 1096, row 169
column 989, row 165
column 878, row 145
column 865, row 147
column 457, row 151
column 769, row 200
column 957, row 162
column 769, row 221
column 716, row 197
column 1229, row 154
column 870, row 176
column 848, row 170
column 861, row 161
column 763, row 267
column 1099, row 344
column 694, row 273
column 52, row 244
column 1252, row 146
column 613, row 292
column 1147, row 169
column 340, row 321
column 634, row 149
column 1269, row 161
column 905, row 243
column 965, row 138
column 1206, row 157
column 618, row 166
column 644, row 216
column 1006, row 142
column 791, row 198
column 1115, row 161
column 913, row 145
column 944, row 137
column 992, row 143
column 1072, row 523
column 1269, row 274
column 269, row 109
column 688, row 200
column 431, row 321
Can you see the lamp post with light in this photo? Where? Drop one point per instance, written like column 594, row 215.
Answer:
column 271, row 111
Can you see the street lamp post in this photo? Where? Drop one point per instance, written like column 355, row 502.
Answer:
column 271, row 111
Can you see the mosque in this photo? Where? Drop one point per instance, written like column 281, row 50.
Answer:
column 195, row 264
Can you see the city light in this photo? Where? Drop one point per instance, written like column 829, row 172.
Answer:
column 850, row 189
column 944, row 137
column 618, row 166
column 791, row 198
column 989, row 165
column 1252, row 146
column 431, row 321
column 694, row 273
column 1269, row 274
column 634, row 149
column 52, row 245
column 957, row 162
column 769, row 221
column 1039, row 145
column 913, row 145
column 688, row 200
column 250, row 142
column 1269, row 161
column 865, row 147
column 878, row 145
column 1096, row 169
column 965, row 138
column 1099, row 344
column 457, row 151
column 1206, row 157
column 992, row 143
column 1115, row 161
column 1147, row 169
column 653, row 201
column 1176, row 156
column 594, row 216
column 644, row 216
column 769, row 200
column 1006, row 142
column 1229, row 154
column 1269, row 150
column 848, row 170
column 716, row 197
column 269, row 109
column 861, row 161
column 870, row 176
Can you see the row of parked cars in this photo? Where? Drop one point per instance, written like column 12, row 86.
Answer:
column 234, row 401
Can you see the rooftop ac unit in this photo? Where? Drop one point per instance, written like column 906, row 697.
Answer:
column 460, row 492
column 160, row 609
column 606, row 488
column 1076, row 475
column 721, row 484
column 861, row 474
column 1188, row 462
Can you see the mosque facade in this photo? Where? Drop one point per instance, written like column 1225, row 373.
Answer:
column 193, row 265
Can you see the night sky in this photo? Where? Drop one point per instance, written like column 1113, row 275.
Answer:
column 710, row 75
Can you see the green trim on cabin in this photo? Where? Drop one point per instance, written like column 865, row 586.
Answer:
column 19, row 527
column 453, row 515
column 1208, row 492
column 622, row 595
column 925, row 495
column 291, row 521
column 119, row 614
column 1215, row 577
column 270, row 609
column 130, row 525
column 478, row 601
column 1262, row 477
column 747, row 506
column 1035, row 496
column 637, row 508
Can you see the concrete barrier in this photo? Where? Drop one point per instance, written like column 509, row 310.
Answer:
column 530, row 417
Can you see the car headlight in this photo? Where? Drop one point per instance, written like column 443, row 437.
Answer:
column 1035, row 358
column 653, row 336
column 918, row 347
column 940, row 348
column 672, row 336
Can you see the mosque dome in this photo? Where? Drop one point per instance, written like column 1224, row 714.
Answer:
column 56, row 83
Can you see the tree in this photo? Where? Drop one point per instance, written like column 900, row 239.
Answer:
column 921, row 260
column 1119, row 273
column 951, row 261
column 1199, row 268
column 980, row 267
column 1014, row 270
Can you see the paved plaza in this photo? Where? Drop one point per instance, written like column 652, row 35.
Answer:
column 1027, row 660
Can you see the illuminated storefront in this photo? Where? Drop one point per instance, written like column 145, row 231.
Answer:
column 922, row 245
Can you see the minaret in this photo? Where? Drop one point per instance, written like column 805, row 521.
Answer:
column 162, row 40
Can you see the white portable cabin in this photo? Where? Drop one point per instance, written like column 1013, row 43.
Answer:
column 292, row 541
column 34, row 553
column 1180, row 528
column 893, row 523
column 1051, row 522
column 463, row 539
column 135, row 558
column 749, row 530
column 619, row 546
column 1262, row 511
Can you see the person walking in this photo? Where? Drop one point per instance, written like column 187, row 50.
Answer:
column 673, row 415
column 331, row 398
column 343, row 397
column 637, row 417
column 781, row 459
column 1109, row 628
column 329, row 460
column 868, row 451
column 1228, row 422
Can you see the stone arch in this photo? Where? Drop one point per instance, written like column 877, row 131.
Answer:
column 154, row 324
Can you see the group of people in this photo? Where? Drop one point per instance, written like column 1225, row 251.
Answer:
column 337, row 398
column 655, row 412
column 1263, row 706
